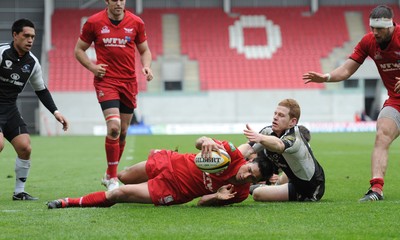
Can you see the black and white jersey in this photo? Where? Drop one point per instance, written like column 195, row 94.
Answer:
column 16, row 71
column 297, row 160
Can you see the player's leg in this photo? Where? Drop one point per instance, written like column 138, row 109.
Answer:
column 113, row 122
column 387, row 131
column 22, row 146
column 124, row 131
column 16, row 133
column 1, row 140
column 134, row 174
column 268, row 193
column 388, row 125
column 131, row 193
column 126, row 118
column 3, row 122
column 134, row 193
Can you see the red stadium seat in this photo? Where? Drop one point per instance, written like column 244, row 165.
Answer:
column 205, row 37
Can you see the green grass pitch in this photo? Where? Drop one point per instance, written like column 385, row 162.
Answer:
column 69, row 166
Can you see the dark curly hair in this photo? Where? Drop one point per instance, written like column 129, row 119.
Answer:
column 265, row 166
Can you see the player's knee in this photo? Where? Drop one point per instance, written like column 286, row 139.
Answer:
column 24, row 152
column 114, row 132
column 257, row 195
column 382, row 141
column 122, row 176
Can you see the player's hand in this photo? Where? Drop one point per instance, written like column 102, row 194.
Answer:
column 100, row 70
column 147, row 73
column 314, row 77
column 225, row 192
column 274, row 179
column 252, row 135
column 62, row 120
column 208, row 145
column 397, row 85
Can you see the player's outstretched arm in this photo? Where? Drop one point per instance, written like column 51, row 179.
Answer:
column 224, row 193
column 343, row 72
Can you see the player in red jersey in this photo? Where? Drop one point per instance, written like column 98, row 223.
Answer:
column 169, row 178
column 382, row 44
column 116, row 33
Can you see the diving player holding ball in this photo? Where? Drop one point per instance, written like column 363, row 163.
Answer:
column 169, row 178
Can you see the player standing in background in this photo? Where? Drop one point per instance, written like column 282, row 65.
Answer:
column 116, row 34
column 382, row 44
column 18, row 66
column 170, row 178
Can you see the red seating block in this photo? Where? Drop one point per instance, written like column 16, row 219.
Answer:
column 205, row 37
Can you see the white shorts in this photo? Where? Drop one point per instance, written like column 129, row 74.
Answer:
column 392, row 113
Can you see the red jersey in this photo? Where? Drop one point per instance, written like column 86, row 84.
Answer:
column 115, row 45
column 186, row 182
column 387, row 61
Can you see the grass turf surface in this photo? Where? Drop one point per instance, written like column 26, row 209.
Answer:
column 73, row 166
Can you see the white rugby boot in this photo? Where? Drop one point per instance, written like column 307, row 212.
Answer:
column 110, row 183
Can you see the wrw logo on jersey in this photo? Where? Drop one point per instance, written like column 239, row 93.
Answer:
column 387, row 67
column 116, row 42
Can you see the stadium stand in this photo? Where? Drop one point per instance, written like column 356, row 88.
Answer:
column 253, row 48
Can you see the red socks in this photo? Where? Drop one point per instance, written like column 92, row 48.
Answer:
column 113, row 154
column 96, row 199
column 377, row 185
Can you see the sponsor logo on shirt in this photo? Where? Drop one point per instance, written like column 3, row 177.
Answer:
column 105, row 30
column 8, row 64
column 12, row 81
column 26, row 68
column 116, row 42
column 387, row 67
column 15, row 76
column 233, row 148
column 128, row 30
column 207, row 181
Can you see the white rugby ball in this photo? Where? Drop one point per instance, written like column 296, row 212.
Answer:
column 215, row 164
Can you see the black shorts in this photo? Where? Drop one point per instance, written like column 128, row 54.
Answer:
column 315, row 195
column 11, row 122
column 116, row 104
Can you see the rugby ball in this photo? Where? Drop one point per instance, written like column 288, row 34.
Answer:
column 217, row 162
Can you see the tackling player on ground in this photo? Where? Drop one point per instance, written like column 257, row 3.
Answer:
column 282, row 145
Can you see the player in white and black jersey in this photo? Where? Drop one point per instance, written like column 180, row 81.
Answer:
column 283, row 146
column 18, row 66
